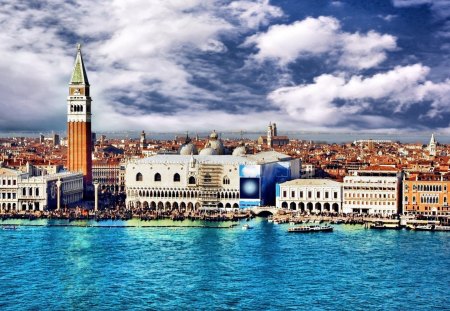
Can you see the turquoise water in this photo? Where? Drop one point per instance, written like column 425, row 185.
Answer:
column 86, row 268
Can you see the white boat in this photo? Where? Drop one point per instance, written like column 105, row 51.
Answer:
column 432, row 228
column 246, row 227
column 9, row 227
column 424, row 228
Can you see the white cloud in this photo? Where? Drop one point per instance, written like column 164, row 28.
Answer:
column 399, row 88
column 319, row 36
column 254, row 13
column 132, row 48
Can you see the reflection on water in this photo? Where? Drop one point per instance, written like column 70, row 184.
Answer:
column 166, row 268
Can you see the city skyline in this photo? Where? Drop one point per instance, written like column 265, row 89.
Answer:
column 230, row 65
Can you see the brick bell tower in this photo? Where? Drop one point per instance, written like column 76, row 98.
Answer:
column 79, row 157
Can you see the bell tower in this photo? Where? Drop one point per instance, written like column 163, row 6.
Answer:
column 79, row 156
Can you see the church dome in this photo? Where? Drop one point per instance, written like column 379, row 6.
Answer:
column 187, row 149
column 214, row 135
column 240, row 151
column 216, row 145
column 208, row 151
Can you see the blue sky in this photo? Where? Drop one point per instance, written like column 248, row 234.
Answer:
column 166, row 65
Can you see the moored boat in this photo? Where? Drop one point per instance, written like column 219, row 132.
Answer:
column 379, row 225
column 430, row 227
column 310, row 229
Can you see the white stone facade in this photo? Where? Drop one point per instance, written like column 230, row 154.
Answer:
column 372, row 192
column 310, row 195
column 165, row 182
column 38, row 193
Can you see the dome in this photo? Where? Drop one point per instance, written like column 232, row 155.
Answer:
column 187, row 149
column 216, row 145
column 240, row 151
column 214, row 135
column 208, row 151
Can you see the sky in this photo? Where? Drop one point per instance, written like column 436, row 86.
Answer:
column 191, row 65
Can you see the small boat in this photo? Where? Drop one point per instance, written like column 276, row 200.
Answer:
column 442, row 228
column 246, row 227
column 379, row 225
column 9, row 227
column 309, row 229
column 432, row 228
column 424, row 228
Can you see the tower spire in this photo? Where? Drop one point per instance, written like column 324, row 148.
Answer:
column 79, row 75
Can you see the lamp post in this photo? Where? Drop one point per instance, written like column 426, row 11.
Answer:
column 96, row 184
column 58, row 195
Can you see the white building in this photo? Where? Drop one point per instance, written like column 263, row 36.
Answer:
column 375, row 190
column 432, row 146
column 20, row 192
column 310, row 195
column 9, row 180
column 189, row 182
column 308, row 170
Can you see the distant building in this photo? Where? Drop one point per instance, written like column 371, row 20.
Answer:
column 108, row 174
column 272, row 139
column 432, row 146
column 310, row 195
column 207, row 181
column 308, row 170
column 142, row 141
column 374, row 190
column 56, row 140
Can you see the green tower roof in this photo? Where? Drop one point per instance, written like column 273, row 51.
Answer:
column 79, row 75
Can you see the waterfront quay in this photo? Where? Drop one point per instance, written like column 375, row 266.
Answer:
column 273, row 215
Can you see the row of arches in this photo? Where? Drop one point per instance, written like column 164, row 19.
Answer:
column 76, row 108
column 8, row 206
column 35, row 206
column 170, row 206
column 302, row 207
column 431, row 199
column 429, row 187
column 156, row 193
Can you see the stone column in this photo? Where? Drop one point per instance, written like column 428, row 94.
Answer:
column 96, row 184
column 58, row 195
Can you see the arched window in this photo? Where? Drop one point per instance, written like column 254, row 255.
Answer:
column 192, row 180
column 226, row 180
column 139, row 177
column 37, row 192
column 176, row 177
column 157, row 177
column 24, row 191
